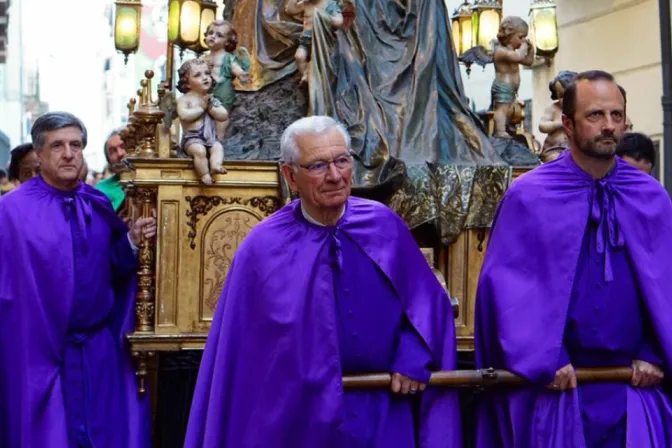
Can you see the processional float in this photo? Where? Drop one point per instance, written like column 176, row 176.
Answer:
column 419, row 148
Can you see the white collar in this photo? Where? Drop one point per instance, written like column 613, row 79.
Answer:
column 312, row 220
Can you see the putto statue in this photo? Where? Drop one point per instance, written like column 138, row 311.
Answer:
column 308, row 9
column 226, row 63
column 199, row 111
column 513, row 50
column 551, row 121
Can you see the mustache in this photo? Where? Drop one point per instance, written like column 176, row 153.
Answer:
column 601, row 137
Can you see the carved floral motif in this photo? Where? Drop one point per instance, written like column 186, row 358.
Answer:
column 202, row 205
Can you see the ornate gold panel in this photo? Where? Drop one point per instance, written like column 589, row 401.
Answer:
column 222, row 235
column 167, row 267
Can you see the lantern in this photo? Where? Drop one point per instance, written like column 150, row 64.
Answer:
column 544, row 28
column 208, row 13
column 184, row 20
column 461, row 24
column 486, row 15
column 127, row 26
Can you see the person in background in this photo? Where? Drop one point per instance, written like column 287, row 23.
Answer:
column 67, row 300
column 638, row 150
column 23, row 164
column 111, row 187
column 5, row 185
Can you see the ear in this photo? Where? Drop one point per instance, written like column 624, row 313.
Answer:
column 289, row 174
column 568, row 126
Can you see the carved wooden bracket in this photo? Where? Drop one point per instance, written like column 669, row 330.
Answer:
column 201, row 205
column 145, row 200
column 141, row 359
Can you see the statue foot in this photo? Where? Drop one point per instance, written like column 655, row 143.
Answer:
column 502, row 134
column 206, row 179
column 219, row 170
column 304, row 79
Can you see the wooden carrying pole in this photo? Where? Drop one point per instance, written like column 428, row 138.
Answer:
column 486, row 378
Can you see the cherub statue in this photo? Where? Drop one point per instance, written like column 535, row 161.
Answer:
column 308, row 9
column 199, row 111
column 226, row 62
column 513, row 49
column 551, row 120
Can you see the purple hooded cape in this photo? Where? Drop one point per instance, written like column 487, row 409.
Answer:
column 270, row 374
column 37, row 287
column 524, row 292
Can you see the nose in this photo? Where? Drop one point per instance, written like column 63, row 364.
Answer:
column 333, row 173
column 609, row 126
column 68, row 152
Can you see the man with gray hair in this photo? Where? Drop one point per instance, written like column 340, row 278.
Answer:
column 330, row 285
column 66, row 303
column 115, row 152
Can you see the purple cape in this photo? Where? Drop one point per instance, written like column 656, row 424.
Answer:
column 524, row 292
column 270, row 372
column 37, row 287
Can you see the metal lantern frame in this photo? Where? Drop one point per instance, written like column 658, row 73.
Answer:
column 208, row 15
column 136, row 7
column 535, row 7
column 478, row 9
column 177, row 34
column 461, row 23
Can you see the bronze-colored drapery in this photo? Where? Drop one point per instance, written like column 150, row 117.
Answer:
column 393, row 79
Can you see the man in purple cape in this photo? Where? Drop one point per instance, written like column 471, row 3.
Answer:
column 327, row 286
column 577, row 275
column 66, row 301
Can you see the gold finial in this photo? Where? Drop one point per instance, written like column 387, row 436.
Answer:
column 131, row 106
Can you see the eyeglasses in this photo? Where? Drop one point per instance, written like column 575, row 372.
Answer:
column 322, row 166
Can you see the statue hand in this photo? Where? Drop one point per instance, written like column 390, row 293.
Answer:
column 244, row 78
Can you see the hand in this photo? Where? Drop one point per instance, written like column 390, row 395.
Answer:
column 142, row 227
column 645, row 374
column 565, row 378
column 244, row 78
column 404, row 385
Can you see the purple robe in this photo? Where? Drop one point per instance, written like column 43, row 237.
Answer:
column 303, row 305
column 577, row 270
column 66, row 302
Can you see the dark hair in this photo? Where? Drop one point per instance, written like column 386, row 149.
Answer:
column 637, row 146
column 569, row 99
column 565, row 78
column 3, row 173
column 109, row 136
column 18, row 154
column 52, row 121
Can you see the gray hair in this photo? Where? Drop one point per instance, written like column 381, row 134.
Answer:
column 116, row 131
column 307, row 125
column 52, row 121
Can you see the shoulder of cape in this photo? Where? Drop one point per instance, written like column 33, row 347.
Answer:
column 278, row 229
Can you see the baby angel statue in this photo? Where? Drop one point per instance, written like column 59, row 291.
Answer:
column 307, row 9
column 551, row 121
column 511, row 50
column 199, row 112
column 226, row 63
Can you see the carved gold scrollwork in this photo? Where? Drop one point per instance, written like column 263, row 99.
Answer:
column 201, row 205
column 145, row 200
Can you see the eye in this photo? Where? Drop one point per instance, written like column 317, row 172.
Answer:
column 317, row 166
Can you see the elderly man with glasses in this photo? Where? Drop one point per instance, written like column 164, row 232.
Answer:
column 328, row 286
